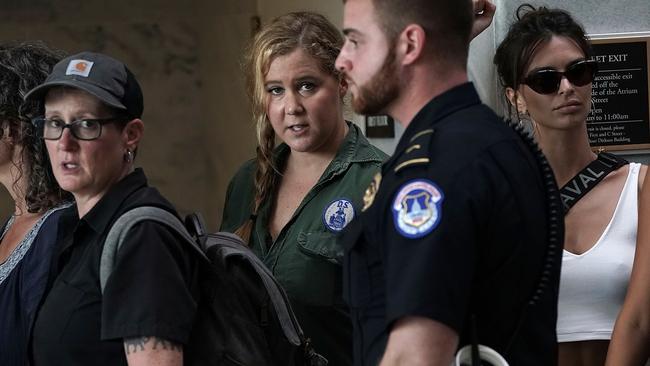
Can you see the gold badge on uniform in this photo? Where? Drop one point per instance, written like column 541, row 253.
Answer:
column 371, row 191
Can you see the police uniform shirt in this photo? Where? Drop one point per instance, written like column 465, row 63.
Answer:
column 149, row 293
column 456, row 224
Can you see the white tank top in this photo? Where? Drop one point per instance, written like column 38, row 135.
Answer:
column 593, row 284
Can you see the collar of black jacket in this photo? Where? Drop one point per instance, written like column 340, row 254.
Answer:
column 436, row 109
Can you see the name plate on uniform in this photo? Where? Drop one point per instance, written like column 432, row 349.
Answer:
column 380, row 127
column 620, row 116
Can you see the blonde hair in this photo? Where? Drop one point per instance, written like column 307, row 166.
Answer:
column 310, row 32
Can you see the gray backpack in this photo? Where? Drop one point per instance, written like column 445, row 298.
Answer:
column 244, row 316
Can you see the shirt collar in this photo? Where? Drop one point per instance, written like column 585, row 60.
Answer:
column 102, row 213
column 458, row 97
column 354, row 148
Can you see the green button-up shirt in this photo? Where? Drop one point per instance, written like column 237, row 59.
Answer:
column 306, row 257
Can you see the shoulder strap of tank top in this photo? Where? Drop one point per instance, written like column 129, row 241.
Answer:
column 588, row 178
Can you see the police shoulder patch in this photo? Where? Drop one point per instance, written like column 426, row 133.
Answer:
column 338, row 214
column 417, row 208
column 371, row 191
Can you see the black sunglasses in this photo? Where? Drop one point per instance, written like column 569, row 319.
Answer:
column 548, row 81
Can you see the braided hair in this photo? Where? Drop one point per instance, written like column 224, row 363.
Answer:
column 319, row 38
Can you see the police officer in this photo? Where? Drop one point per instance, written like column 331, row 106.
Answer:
column 460, row 234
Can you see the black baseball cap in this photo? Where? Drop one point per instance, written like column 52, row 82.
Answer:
column 102, row 76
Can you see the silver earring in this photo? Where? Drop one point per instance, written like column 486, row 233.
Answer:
column 527, row 122
column 128, row 156
column 523, row 118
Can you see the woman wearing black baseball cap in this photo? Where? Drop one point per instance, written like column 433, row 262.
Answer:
column 92, row 129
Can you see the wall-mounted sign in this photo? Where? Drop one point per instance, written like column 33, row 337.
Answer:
column 380, row 127
column 620, row 118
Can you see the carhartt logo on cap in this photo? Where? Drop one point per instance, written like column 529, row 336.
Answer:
column 79, row 67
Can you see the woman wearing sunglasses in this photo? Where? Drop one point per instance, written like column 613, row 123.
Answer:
column 545, row 66
column 28, row 238
column 143, row 315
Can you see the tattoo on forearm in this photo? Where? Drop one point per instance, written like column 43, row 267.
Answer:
column 134, row 345
column 167, row 345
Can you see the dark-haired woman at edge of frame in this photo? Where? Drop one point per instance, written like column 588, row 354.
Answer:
column 28, row 238
column 550, row 85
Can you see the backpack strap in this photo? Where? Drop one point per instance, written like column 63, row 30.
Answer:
column 124, row 223
column 229, row 245
column 588, row 178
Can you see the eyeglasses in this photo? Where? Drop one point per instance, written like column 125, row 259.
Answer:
column 548, row 81
column 82, row 129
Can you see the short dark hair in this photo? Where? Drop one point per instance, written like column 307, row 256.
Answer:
column 532, row 28
column 447, row 23
column 24, row 66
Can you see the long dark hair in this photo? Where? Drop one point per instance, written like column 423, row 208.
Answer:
column 532, row 28
column 24, row 66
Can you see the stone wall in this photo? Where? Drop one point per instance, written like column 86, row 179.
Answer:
column 187, row 56
column 332, row 9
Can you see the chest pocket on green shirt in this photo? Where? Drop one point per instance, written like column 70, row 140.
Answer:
column 323, row 245
column 316, row 278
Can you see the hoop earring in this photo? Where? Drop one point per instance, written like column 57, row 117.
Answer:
column 523, row 118
column 527, row 122
column 128, row 156
column 520, row 121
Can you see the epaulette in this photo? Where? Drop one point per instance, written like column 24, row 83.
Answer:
column 417, row 151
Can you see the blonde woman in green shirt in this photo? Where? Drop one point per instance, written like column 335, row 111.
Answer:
column 291, row 201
